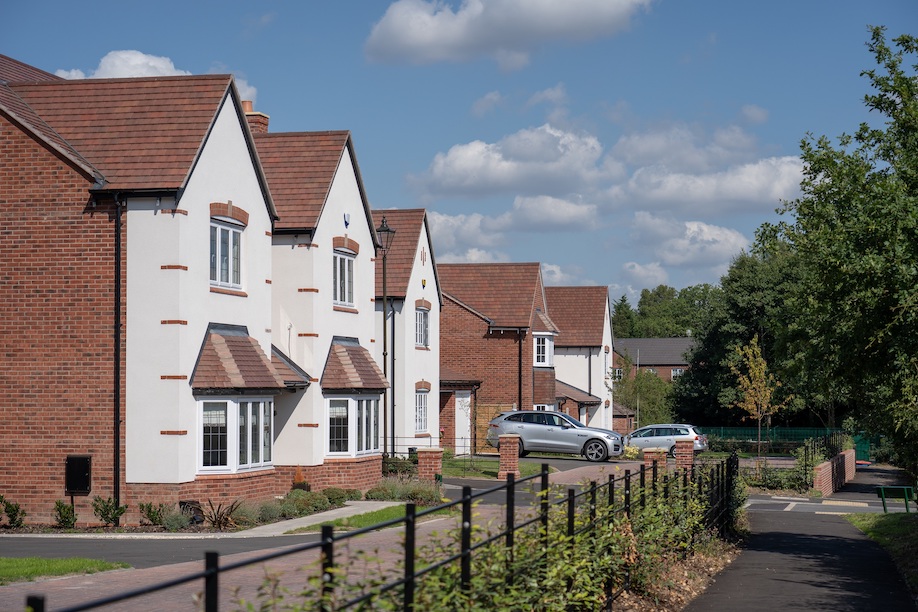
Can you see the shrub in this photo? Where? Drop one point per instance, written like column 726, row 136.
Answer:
column 401, row 489
column 302, row 503
column 246, row 515
column 221, row 516
column 64, row 515
column 631, row 453
column 14, row 513
column 154, row 514
column 176, row 520
column 398, row 466
column 107, row 510
column 270, row 512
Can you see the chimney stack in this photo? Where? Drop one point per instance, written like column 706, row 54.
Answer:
column 258, row 122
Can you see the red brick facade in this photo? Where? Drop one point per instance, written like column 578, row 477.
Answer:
column 448, row 419
column 57, row 266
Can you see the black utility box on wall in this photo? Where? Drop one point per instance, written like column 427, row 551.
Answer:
column 78, row 475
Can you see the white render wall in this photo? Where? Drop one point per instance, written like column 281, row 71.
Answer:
column 224, row 172
column 304, row 317
column 412, row 364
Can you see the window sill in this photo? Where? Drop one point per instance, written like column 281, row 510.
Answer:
column 422, row 435
column 223, row 291
column 240, row 473
column 421, row 348
column 345, row 309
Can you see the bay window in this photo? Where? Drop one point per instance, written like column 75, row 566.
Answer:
column 353, row 425
column 236, row 434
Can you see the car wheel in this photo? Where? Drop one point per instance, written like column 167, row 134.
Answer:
column 523, row 451
column 672, row 451
column 595, row 450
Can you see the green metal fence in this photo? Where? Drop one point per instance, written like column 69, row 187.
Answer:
column 772, row 434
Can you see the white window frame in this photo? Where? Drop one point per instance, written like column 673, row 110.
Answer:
column 247, row 436
column 545, row 407
column 360, row 434
column 617, row 373
column 676, row 373
column 343, row 264
column 422, row 327
column 543, row 346
column 421, row 423
column 226, row 257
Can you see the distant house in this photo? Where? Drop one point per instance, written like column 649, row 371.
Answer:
column 495, row 329
column 665, row 357
column 583, row 352
column 412, row 330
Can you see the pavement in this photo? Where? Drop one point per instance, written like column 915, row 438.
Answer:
column 815, row 559
column 801, row 554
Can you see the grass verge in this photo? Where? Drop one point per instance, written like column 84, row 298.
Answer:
column 367, row 519
column 476, row 467
column 22, row 569
column 898, row 534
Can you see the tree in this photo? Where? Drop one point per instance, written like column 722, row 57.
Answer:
column 757, row 385
column 622, row 319
column 856, row 239
column 645, row 393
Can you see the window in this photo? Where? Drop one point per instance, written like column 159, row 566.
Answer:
column 420, row 412
column 353, row 425
column 422, row 327
column 343, row 279
column 544, row 350
column 236, row 435
column 677, row 372
column 617, row 373
column 225, row 254
column 543, row 406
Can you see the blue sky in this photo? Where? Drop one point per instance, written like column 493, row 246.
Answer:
column 627, row 143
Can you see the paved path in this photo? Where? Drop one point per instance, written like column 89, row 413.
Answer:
column 812, row 561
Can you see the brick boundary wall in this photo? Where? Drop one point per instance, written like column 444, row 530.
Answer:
column 685, row 454
column 655, row 454
column 430, row 464
column 831, row 475
column 509, row 456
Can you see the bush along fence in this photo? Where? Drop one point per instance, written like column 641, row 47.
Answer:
column 544, row 548
column 799, row 473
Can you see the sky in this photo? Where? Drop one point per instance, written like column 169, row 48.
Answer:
column 626, row 143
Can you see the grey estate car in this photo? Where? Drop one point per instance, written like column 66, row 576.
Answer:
column 665, row 436
column 554, row 432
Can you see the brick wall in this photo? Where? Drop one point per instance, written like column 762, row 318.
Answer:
column 830, row 476
column 361, row 473
column 543, row 388
column 448, row 420
column 56, row 319
column 493, row 358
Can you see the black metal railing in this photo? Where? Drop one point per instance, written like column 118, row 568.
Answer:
column 579, row 513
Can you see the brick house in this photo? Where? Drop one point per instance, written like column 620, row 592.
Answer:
column 136, row 294
column 412, row 333
column 323, row 319
column 495, row 329
column 583, row 352
column 665, row 357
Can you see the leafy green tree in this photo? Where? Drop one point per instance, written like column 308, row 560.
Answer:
column 645, row 393
column 855, row 235
column 757, row 386
column 622, row 319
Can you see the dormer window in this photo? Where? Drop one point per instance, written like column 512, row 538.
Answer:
column 544, row 350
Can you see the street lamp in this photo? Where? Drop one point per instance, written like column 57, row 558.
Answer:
column 386, row 235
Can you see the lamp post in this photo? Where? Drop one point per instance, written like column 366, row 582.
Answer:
column 385, row 235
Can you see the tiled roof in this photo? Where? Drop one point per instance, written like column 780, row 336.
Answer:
column 140, row 133
column 449, row 375
column 621, row 411
column 654, row 351
column 294, row 376
column 300, row 167
column 230, row 360
column 408, row 225
column 14, row 70
column 580, row 314
column 504, row 292
column 564, row 390
column 349, row 367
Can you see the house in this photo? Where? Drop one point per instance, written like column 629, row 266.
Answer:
column 136, row 302
column 665, row 357
column 495, row 328
column 324, row 308
column 583, row 359
column 458, row 407
column 410, row 345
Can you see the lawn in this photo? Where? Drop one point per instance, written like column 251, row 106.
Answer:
column 898, row 534
column 20, row 569
column 478, row 467
column 367, row 519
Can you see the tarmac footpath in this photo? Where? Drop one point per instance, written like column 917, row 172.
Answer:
column 811, row 561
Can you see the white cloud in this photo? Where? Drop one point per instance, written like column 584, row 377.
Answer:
column 687, row 244
column 474, row 256
column 127, row 63
column 423, row 32
column 645, row 275
column 545, row 214
column 684, row 148
column 555, row 96
column 451, row 233
column 488, row 102
column 557, row 276
column 754, row 114
column 537, row 161
column 246, row 91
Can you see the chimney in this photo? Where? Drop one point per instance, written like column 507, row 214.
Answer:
column 258, row 122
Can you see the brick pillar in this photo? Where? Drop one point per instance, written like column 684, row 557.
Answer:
column 509, row 456
column 685, row 454
column 430, row 463
column 655, row 454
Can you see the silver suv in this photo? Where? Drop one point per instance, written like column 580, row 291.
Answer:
column 665, row 436
column 554, row 432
